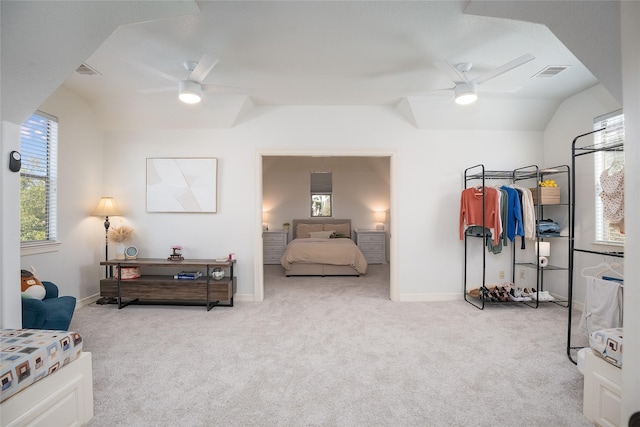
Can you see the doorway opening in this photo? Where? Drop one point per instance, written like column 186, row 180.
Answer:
column 363, row 187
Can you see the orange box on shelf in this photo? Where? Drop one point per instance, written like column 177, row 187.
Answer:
column 548, row 195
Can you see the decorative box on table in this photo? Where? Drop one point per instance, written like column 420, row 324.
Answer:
column 548, row 195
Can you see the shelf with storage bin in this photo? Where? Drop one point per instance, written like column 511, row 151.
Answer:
column 273, row 246
column 157, row 284
column 549, row 202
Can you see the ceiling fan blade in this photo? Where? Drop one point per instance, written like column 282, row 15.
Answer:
column 204, row 67
column 158, row 90
column 227, row 89
column 451, row 71
column 151, row 70
column 500, row 89
column 504, row 68
column 444, row 91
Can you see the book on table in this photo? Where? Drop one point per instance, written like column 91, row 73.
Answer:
column 188, row 275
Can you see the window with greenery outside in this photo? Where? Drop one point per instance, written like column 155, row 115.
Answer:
column 38, row 146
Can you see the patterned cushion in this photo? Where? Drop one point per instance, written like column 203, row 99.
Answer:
column 607, row 343
column 28, row 355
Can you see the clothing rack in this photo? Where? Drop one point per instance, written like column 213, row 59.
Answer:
column 477, row 174
column 577, row 151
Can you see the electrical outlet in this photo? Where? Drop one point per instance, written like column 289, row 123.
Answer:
column 501, row 274
column 522, row 274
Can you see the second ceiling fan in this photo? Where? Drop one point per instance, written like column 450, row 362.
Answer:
column 466, row 89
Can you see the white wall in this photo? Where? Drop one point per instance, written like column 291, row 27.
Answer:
column 630, row 12
column 575, row 117
column 9, row 231
column 74, row 267
column 427, row 184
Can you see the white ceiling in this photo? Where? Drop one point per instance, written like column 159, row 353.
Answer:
column 367, row 53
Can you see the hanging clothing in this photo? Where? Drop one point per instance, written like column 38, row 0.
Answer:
column 471, row 202
column 612, row 195
column 513, row 214
column 602, row 305
column 528, row 213
column 504, row 202
column 478, row 231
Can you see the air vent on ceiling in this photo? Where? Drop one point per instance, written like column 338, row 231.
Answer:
column 550, row 71
column 86, row 70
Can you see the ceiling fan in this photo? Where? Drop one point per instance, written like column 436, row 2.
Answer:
column 466, row 89
column 190, row 89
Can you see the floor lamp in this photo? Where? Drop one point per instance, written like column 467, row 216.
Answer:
column 106, row 206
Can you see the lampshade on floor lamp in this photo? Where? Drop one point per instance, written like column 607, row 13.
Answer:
column 106, row 206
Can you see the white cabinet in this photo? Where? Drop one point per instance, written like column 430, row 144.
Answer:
column 602, row 391
column 273, row 245
column 372, row 245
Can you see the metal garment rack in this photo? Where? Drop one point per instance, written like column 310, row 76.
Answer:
column 479, row 174
column 577, row 151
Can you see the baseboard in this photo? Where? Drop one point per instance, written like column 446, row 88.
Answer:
column 87, row 300
column 244, row 297
column 430, row 297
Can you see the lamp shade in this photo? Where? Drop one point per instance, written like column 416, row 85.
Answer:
column 543, row 248
column 106, row 206
column 380, row 216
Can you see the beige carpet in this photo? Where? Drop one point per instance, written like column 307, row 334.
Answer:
column 331, row 352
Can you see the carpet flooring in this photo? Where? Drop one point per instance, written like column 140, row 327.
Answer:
column 332, row 351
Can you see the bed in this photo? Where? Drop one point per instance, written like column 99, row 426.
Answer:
column 46, row 378
column 312, row 252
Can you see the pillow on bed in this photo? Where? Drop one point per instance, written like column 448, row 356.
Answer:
column 321, row 234
column 303, row 230
column 338, row 228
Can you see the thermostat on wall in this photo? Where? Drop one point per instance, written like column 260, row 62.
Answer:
column 131, row 252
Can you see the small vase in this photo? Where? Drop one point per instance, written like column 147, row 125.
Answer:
column 120, row 250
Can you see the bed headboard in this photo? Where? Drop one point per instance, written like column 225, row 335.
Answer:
column 295, row 223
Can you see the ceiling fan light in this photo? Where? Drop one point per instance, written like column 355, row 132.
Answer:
column 189, row 92
column 466, row 93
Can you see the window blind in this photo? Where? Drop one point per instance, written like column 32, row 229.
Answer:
column 38, row 178
column 321, row 183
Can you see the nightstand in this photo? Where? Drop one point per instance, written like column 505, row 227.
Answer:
column 273, row 245
column 372, row 245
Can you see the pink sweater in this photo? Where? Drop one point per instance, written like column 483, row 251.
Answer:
column 471, row 210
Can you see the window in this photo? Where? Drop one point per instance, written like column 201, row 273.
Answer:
column 321, row 189
column 609, row 163
column 38, row 146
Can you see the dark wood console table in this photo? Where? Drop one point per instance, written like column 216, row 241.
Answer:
column 155, row 288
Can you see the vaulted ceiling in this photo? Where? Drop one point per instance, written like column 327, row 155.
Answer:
column 344, row 53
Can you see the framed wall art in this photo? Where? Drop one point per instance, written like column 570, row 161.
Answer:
column 182, row 185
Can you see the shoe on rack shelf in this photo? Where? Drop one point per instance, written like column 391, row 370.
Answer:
column 542, row 296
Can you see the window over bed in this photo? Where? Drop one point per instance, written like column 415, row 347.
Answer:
column 321, row 191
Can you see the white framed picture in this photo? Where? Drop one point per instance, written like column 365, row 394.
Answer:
column 182, row 185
